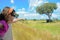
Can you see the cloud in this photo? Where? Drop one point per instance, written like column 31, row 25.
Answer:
column 58, row 4
column 21, row 11
column 12, row 1
column 34, row 3
column 54, row 15
column 25, row 13
column 31, row 14
column 58, row 7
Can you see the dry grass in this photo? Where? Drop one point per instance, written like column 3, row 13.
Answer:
column 22, row 32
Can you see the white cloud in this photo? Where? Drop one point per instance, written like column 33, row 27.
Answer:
column 21, row 11
column 58, row 7
column 12, row 1
column 30, row 14
column 34, row 3
column 58, row 4
column 23, row 14
column 54, row 15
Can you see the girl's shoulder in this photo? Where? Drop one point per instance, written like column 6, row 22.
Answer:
column 5, row 25
column 2, row 21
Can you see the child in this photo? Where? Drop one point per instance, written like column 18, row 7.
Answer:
column 6, row 17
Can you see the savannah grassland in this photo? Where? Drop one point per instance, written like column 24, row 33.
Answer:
column 36, row 30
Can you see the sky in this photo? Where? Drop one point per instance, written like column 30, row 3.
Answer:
column 27, row 8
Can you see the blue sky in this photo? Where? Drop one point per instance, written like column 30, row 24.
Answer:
column 26, row 8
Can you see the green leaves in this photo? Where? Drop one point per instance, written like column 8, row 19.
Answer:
column 46, row 8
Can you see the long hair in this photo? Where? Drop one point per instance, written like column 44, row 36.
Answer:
column 3, row 14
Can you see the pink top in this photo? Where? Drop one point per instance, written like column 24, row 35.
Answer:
column 5, row 28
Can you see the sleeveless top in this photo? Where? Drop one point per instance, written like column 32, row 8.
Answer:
column 5, row 28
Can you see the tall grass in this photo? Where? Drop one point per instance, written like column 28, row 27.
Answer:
column 36, row 30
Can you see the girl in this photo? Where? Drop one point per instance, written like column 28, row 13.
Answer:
column 6, row 17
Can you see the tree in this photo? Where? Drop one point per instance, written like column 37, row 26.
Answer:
column 46, row 8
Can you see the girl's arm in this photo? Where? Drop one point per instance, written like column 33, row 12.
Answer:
column 17, row 19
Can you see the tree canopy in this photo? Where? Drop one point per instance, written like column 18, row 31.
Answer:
column 46, row 8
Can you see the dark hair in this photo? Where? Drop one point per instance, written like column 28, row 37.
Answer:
column 2, row 17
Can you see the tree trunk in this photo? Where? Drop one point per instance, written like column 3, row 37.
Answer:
column 49, row 16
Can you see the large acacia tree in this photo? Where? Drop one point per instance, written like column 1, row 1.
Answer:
column 46, row 8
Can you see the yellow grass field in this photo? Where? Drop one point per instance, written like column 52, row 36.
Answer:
column 35, row 30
